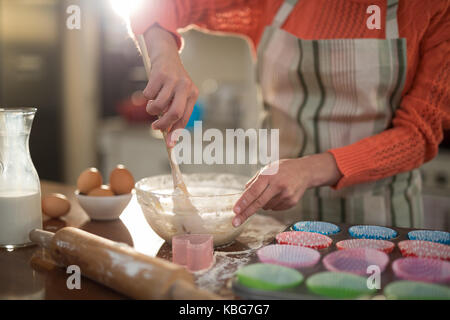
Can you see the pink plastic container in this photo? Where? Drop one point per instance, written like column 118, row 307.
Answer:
column 195, row 251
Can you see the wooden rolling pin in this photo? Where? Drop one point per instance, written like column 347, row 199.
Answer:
column 120, row 267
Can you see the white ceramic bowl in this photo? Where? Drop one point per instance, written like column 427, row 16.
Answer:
column 103, row 208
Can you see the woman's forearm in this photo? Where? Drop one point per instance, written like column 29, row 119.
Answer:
column 323, row 169
column 160, row 42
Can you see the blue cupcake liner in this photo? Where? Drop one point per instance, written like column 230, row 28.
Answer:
column 430, row 235
column 321, row 227
column 372, row 232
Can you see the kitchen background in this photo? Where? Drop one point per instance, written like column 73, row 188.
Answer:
column 86, row 85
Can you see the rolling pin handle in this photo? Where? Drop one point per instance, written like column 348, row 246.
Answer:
column 41, row 237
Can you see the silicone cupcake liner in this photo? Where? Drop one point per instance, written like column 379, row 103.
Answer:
column 381, row 245
column 424, row 249
column 429, row 235
column 422, row 269
column 289, row 255
column 411, row 290
column 355, row 260
column 324, row 228
column 338, row 285
column 372, row 232
column 304, row 239
column 268, row 277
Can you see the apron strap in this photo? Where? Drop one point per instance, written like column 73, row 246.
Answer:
column 391, row 20
column 283, row 12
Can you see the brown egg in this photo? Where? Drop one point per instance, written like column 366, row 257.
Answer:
column 102, row 191
column 89, row 179
column 55, row 205
column 121, row 180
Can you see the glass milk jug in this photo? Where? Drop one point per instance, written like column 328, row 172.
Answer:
column 20, row 192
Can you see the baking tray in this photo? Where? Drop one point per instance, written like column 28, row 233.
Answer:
column 301, row 292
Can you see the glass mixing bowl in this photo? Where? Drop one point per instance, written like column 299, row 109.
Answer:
column 212, row 195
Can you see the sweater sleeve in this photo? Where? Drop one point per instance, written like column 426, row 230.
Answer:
column 419, row 123
column 244, row 17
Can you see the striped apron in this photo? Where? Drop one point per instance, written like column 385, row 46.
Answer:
column 325, row 94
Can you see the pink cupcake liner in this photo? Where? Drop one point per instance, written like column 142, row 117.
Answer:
column 289, row 255
column 304, row 239
column 381, row 245
column 422, row 269
column 424, row 249
column 355, row 261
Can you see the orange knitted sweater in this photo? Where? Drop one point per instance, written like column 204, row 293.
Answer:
column 424, row 113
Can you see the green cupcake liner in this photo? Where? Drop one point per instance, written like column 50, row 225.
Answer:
column 413, row 290
column 266, row 276
column 338, row 285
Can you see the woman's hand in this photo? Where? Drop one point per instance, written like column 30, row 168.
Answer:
column 170, row 90
column 282, row 190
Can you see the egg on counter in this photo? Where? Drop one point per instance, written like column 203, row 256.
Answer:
column 121, row 180
column 88, row 180
column 102, row 191
column 55, row 205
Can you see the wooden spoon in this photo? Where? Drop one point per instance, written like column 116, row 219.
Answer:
column 182, row 205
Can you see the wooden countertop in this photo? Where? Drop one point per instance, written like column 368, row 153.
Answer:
column 18, row 279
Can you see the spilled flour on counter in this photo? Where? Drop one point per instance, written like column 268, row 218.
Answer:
column 225, row 266
column 259, row 232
